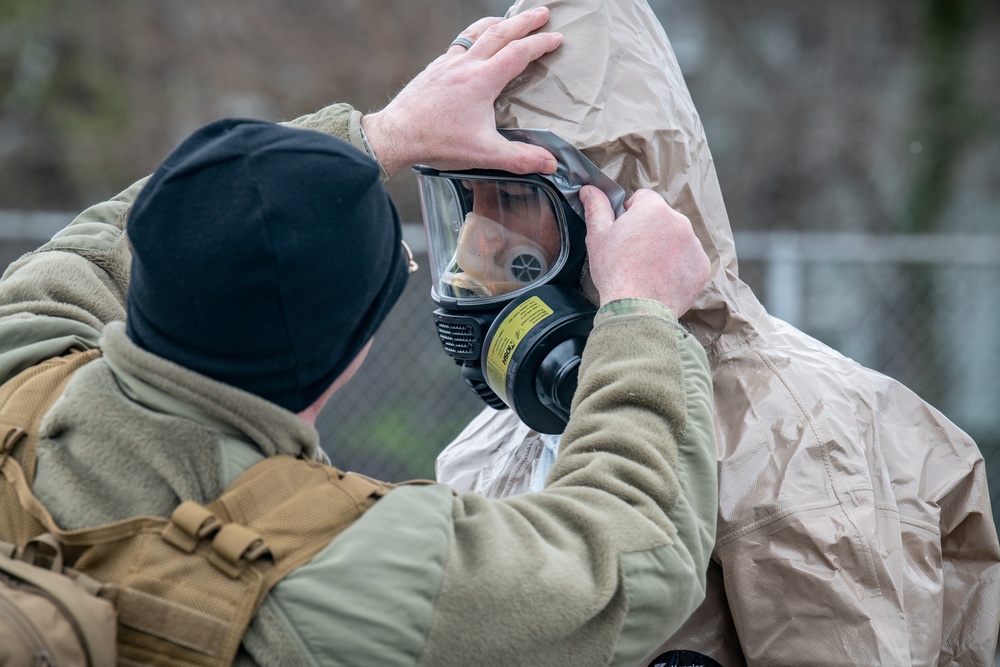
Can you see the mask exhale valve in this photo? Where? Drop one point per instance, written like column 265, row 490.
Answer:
column 461, row 336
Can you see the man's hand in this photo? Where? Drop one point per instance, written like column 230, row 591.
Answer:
column 650, row 252
column 444, row 117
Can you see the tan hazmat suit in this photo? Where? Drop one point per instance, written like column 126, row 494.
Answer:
column 854, row 521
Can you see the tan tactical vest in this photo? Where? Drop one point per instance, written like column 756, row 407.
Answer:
column 184, row 588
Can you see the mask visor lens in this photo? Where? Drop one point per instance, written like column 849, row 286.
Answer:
column 489, row 238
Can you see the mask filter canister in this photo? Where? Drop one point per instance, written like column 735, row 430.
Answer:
column 532, row 351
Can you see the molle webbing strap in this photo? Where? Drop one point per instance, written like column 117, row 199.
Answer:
column 296, row 507
column 222, row 559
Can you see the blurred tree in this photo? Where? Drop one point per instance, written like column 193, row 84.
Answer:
column 28, row 63
column 94, row 93
column 947, row 121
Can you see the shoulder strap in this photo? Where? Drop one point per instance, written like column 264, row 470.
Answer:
column 24, row 400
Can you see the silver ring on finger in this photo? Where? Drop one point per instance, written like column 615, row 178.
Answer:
column 462, row 41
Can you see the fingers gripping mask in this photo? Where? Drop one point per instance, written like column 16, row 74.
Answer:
column 507, row 255
column 493, row 260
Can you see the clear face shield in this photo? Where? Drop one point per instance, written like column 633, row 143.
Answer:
column 491, row 238
column 507, row 255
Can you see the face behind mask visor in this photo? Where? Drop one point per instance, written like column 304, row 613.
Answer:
column 492, row 235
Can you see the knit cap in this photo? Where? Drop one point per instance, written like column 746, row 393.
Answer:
column 264, row 257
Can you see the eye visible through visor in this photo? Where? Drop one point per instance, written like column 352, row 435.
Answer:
column 490, row 238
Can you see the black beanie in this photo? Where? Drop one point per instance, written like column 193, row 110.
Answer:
column 264, row 257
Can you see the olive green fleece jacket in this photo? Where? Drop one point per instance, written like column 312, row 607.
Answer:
column 594, row 570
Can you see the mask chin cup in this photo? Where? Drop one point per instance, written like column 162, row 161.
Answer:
column 476, row 381
column 532, row 351
column 462, row 283
column 459, row 281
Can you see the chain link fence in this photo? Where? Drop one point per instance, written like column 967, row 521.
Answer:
column 922, row 309
column 406, row 402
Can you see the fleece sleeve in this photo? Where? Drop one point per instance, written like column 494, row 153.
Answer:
column 611, row 556
column 60, row 296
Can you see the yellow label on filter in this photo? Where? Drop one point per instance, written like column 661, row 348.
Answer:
column 509, row 334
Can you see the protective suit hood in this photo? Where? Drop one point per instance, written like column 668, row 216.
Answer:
column 612, row 109
column 854, row 521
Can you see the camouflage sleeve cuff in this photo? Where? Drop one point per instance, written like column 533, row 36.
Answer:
column 633, row 307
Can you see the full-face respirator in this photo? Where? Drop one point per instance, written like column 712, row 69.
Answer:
column 508, row 261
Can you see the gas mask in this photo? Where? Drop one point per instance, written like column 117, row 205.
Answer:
column 508, row 264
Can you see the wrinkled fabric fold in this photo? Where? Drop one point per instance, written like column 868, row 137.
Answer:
column 854, row 518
